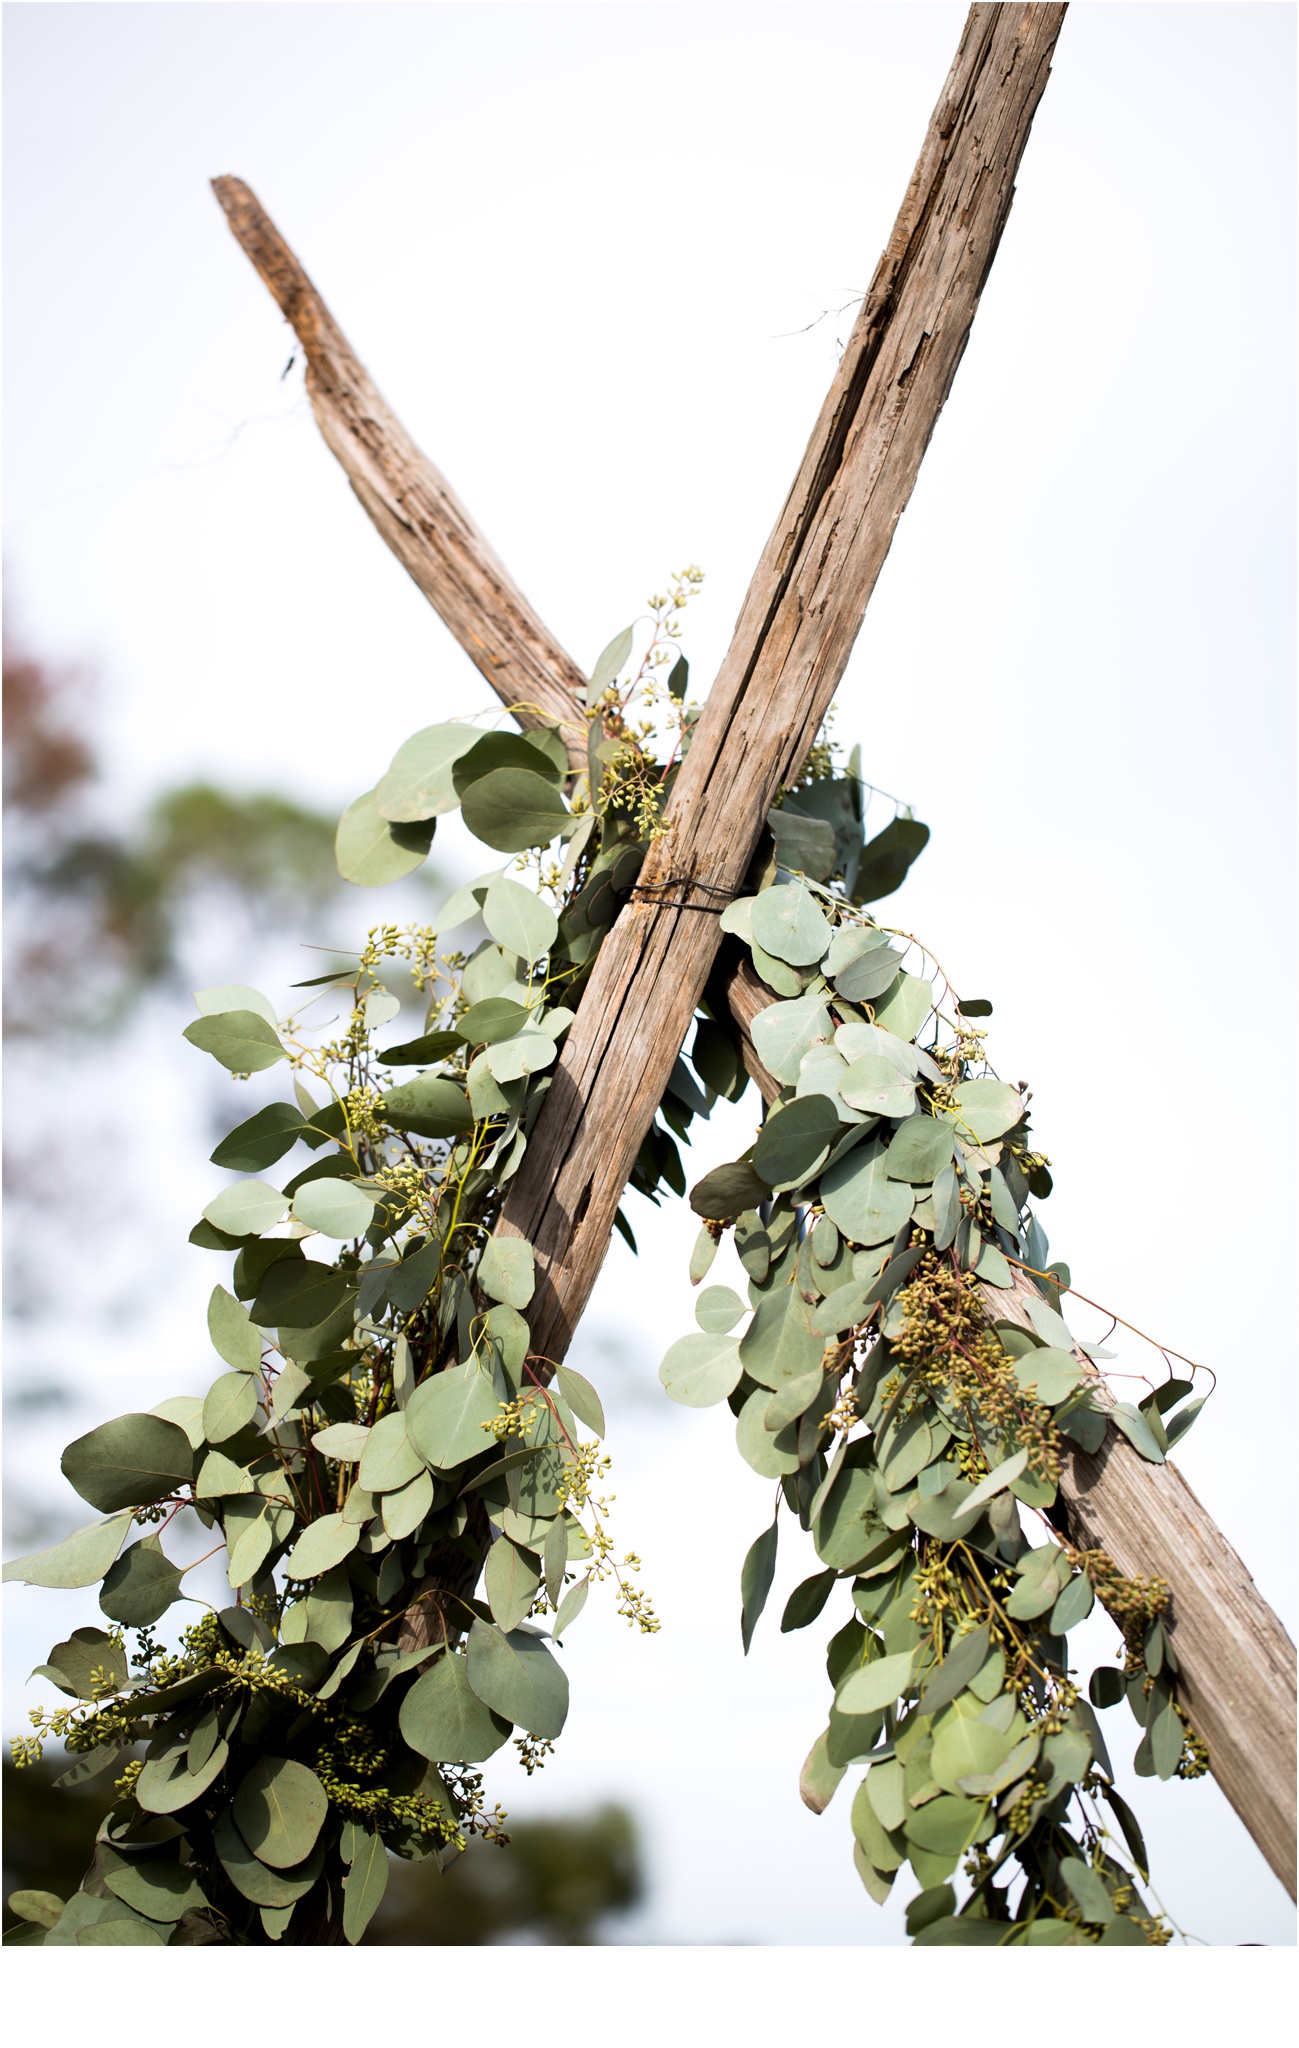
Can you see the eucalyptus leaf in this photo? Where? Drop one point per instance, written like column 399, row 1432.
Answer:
column 141, row 1586
column 446, row 1414
column 784, row 1032
column 514, row 808
column 758, row 1571
column 279, row 1810
column 239, row 1040
column 365, row 1884
column 788, row 923
column 334, row 1208
column 701, row 1369
column 418, row 783
column 515, row 1675
column 519, row 920
column 507, row 1271
column 322, row 1544
column 234, row 1336
column 129, row 1462
column 247, row 1209
column 718, row 1310
column 80, row 1560
column 370, row 850
column 581, row 1398
column 861, row 1200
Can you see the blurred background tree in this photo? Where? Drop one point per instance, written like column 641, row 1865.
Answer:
column 115, row 900
column 561, row 1881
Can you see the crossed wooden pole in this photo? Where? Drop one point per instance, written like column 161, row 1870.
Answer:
column 791, row 644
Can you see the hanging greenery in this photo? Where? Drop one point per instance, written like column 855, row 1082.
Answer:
column 409, row 1498
column 909, row 1396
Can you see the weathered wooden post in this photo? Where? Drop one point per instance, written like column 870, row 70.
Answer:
column 791, row 645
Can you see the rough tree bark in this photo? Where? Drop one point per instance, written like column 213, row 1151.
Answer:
column 1237, row 1662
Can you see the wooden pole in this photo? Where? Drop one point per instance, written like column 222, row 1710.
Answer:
column 1237, row 1661
column 791, row 645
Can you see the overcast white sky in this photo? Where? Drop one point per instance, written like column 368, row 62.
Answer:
column 595, row 255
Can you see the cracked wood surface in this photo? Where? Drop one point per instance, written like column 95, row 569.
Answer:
column 791, row 644
column 1237, row 1661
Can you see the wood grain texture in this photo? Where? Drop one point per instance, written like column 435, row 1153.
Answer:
column 410, row 501
column 791, row 644
column 1237, row 1677
column 1237, row 1661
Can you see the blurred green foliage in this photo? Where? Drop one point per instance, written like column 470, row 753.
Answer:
column 115, row 900
column 557, row 1884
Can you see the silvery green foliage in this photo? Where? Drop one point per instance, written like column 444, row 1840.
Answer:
column 914, row 1433
column 402, row 1489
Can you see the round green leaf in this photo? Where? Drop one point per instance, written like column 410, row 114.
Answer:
column 876, row 1085
column 701, row 1369
column 718, row 1310
column 986, row 1109
column 493, row 1019
column 264, row 1887
column 335, row 1208
column 418, row 783
column 966, row 1747
column 279, row 1809
column 507, row 1271
column 430, row 1106
column 322, row 1545
column 920, row 1149
column 1074, row 1605
column 784, row 1032
column 866, row 977
column 1053, row 1373
column 905, row 1006
column 229, row 1406
column 514, row 808
column 869, row 1687
column 240, row 1040
column 788, row 924
column 231, row 1329
column 443, row 1719
column 389, row 1459
column 445, row 1414
column 42, row 1909
column 859, row 1197
column 370, row 851
column 727, row 1190
column 516, row 1676
column 519, row 920
column 404, row 1509
column 581, row 1398
column 770, row 1456
column 141, row 1586
column 796, row 1140
column 166, row 1786
column 511, row 1580
column 260, row 1141
column 343, row 1441
column 161, row 1891
column 129, row 1462
column 247, row 1209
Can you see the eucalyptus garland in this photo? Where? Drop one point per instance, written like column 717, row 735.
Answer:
column 913, row 1423
column 409, row 1498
